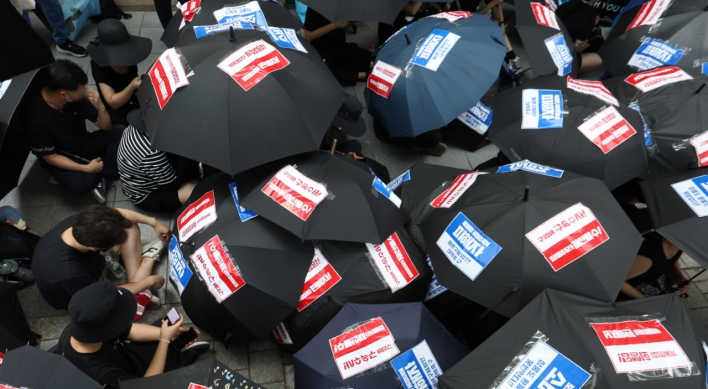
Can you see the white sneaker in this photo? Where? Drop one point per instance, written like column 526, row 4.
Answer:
column 153, row 250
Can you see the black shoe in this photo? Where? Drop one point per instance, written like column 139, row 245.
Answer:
column 192, row 353
column 100, row 192
column 69, row 47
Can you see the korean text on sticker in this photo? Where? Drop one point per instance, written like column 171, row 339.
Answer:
column 456, row 189
column 568, row 236
column 700, row 143
column 654, row 53
column 281, row 335
column 531, row 167
column 417, row 368
column 179, row 270
column 251, row 63
column 250, row 13
column 320, row 278
column 467, row 247
column 202, row 31
column 545, row 368
column 196, row 216
column 362, row 348
column 653, row 79
column 694, row 192
column 435, row 47
column 649, row 14
column 295, row 192
column 452, row 16
column 166, row 75
column 285, row 38
column 592, row 88
column 560, row 53
column 607, row 129
column 541, row 109
column 393, row 262
column 382, row 78
column 544, row 16
column 434, row 288
column 478, row 118
column 214, row 265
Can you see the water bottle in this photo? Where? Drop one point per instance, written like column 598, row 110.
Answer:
column 115, row 267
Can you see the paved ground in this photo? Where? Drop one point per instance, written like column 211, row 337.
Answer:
column 43, row 205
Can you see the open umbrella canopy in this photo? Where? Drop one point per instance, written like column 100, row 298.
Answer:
column 432, row 71
column 384, row 11
column 500, row 239
column 417, row 182
column 30, row 367
column 572, row 337
column 235, row 103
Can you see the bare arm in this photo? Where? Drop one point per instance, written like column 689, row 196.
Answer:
column 166, row 334
column 490, row 4
column 65, row 163
column 104, row 120
column 148, row 282
column 143, row 332
column 412, row 8
column 640, row 266
column 115, row 99
column 324, row 30
column 162, row 231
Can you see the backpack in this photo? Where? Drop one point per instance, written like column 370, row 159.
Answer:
column 17, row 244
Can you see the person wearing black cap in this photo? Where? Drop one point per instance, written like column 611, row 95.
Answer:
column 114, row 58
column 347, row 122
column 101, row 322
column 153, row 180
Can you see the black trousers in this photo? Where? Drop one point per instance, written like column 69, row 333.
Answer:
column 425, row 140
column 346, row 61
column 99, row 144
column 164, row 11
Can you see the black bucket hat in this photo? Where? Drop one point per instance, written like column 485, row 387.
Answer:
column 349, row 118
column 135, row 119
column 114, row 46
column 100, row 312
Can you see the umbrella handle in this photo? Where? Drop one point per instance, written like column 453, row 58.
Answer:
column 334, row 145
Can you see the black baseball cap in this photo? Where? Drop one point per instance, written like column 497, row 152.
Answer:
column 349, row 118
column 100, row 312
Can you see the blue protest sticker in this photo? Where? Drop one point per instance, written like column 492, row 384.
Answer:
column 384, row 190
column 417, row 368
column 647, row 135
column 654, row 53
column 545, row 368
column 541, row 109
column 531, row 167
column 434, row 48
column 396, row 182
column 434, row 288
column 250, row 13
column 179, row 271
column 705, row 350
column 243, row 213
column 202, row 31
column 694, row 192
column 560, row 53
column 704, row 70
column 478, row 118
column 285, row 38
column 467, row 247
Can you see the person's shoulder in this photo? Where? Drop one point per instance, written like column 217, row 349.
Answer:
column 33, row 108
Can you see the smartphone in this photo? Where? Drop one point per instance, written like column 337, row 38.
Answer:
column 184, row 338
column 172, row 316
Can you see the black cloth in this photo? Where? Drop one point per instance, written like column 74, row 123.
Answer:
column 609, row 10
column 164, row 199
column 330, row 41
column 50, row 129
column 653, row 249
column 118, row 82
column 578, row 18
column 15, row 332
column 164, row 11
column 22, row 48
column 425, row 140
column 386, row 30
column 61, row 270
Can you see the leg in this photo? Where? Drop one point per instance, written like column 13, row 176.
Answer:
column 55, row 16
column 344, row 76
column 104, row 144
column 75, row 182
column 164, row 11
column 186, row 190
column 427, row 139
column 136, row 267
column 589, row 61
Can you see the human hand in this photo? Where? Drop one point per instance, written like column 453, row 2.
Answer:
column 170, row 332
column 163, row 232
column 446, row 7
column 135, row 84
column 683, row 286
column 340, row 24
column 157, row 281
column 93, row 167
column 93, row 97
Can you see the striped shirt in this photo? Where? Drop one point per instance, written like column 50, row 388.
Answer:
column 141, row 169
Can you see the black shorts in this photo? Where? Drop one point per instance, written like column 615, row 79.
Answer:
column 163, row 199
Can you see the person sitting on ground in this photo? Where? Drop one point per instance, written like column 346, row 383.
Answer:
column 55, row 121
column 348, row 62
column 655, row 270
column 101, row 323
column 385, row 31
column 427, row 143
column 149, row 179
column 67, row 259
column 115, row 55
column 581, row 20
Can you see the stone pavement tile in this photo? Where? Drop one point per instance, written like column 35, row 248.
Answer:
column 38, row 218
column 370, row 134
column 262, row 345
column 244, row 373
column 689, row 262
column 137, row 20
column 266, row 366
column 701, row 286
column 49, row 327
column 47, row 344
column 287, row 358
column 154, row 34
column 290, row 377
column 702, row 315
column 275, row 385
column 34, row 305
column 482, row 155
column 36, row 191
column 235, row 357
column 695, row 299
column 151, row 20
column 453, row 157
column 396, row 158
column 87, row 33
column 693, row 272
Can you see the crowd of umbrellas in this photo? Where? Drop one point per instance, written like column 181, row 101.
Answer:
column 342, row 269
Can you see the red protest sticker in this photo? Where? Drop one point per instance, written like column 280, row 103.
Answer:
column 166, row 75
column 280, row 335
column 189, row 9
column 592, row 88
column 321, row 277
column 2, row 357
column 295, row 192
column 382, row 78
column 362, row 348
column 250, row 64
column 544, row 16
column 649, row 14
column 196, row 216
column 393, row 262
column 635, row 346
column 196, row 386
column 214, row 265
column 568, row 236
column 607, row 129
column 700, row 143
column 458, row 187
column 653, row 79
column 452, row 16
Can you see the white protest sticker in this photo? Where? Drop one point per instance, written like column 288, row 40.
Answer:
column 393, row 262
column 382, row 78
column 452, row 16
column 362, row 348
column 653, row 79
column 285, row 38
column 694, row 192
column 700, row 143
column 417, row 368
column 544, row 16
column 202, row 31
column 592, row 88
column 179, row 270
column 478, row 118
column 214, row 265
column 649, row 14
column 531, row 167
column 541, row 109
column 434, row 48
column 251, row 63
column 456, row 189
column 280, row 334
column 467, row 247
column 295, row 192
column 653, row 53
column 3, row 87
column 196, row 216
column 607, row 129
column 545, row 368
column 568, row 236
column 250, row 13
column 189, row 9
column 560, row 53
column 320, row 278
column 166, row 75
column 434, row 288
column 635, row 346
column 388, row 193
column 398, row 181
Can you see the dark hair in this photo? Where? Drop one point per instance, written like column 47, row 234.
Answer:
column 100, row 227
column 64, row 74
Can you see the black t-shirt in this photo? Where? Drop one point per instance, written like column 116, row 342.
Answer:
column 50, row 130
column 118, row 82
column 329, row 41
column 61, row 270
column 107, row 366
column 609, row 9
column 578, row 18
column 653, row 249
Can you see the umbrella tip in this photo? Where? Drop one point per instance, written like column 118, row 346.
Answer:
column 701, row 88
column 233, row 34
column 334, row 145
column 526, row 194
column 407, row 38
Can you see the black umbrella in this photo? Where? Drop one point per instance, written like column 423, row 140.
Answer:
column 11, row 93
column 325, row 197
column 678, row 39
column 209, row 373
column 541, row 39
column 30, row 367
column 381, row 333
column 14, row 329
column 384, row 11
column 261, row 282
column 564, row 320
column 269, row 110
column 346, row 272
column 275, row 14
column 668, row 200
column 567, row 147
column 417, row 182
column 672, row 112
column 512, row 234
column 27, row 51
